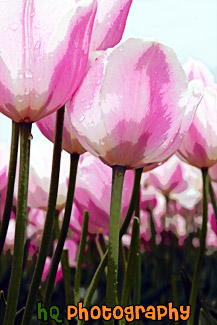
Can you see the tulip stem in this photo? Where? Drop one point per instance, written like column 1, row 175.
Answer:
column 133, row 200
column 66, row 275
column 49, row 218
column 123, row 257
column 153, row 232
column 80, row 257
column 63, row 233
column 19, row 241
column 213, row 199
column 10, row 184
column 137, row 277
column 64, row 265
column 193, row 295
column 114, row 225
column 99, row 247
column 130, row 270
column 103, row 263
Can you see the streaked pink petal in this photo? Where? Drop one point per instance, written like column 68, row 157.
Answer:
column 131, row 107
column 44, row 50
column 69, row 142
column 199, row 147
column 197, row 70
column 109, row 23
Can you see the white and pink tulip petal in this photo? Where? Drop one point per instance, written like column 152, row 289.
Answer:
column 132, row 108
column 109, row 23
column 44, row 51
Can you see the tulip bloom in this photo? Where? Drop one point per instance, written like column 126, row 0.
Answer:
column 69, row 143
column 109, row 23
column 4, row 154
column 178, row 181
column 44, row 51
column 169, row 177
column 71, row 246
column 199, row 147
column 213, row 173
column 108, row 28
column 39, row 177
column 133, row 106
column 197, row 70
column 93, row 193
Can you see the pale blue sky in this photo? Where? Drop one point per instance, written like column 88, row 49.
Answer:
column 188, row 26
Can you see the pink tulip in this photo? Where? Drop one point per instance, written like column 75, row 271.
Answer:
column 39, row 176
column 192, row 195
column 211, row 238
column 133, row 106
column 213, row 173
column 152, row 199
column 44, row 50
column 93, row 192
column 35, row 227
column 199, row 147
column 197, row 70
column 148, row 198
column 69, row 143
column 9, row 241
column 76, row 222
column 72, row 247
column 4, row 162
column 109, row 23
column 59, row 274
column 2, row 202
column 179, row 228
column 169, row 177
column 108, row 28
column 212, row 219
column 177, row 180
column 145, row 231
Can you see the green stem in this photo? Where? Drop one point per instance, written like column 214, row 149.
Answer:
column 123, row 257
column 49, row 219
column 193, row 296
column 56, row 225
column 133, row 200
column 80, row 258
column 137, row 291
column 153, row 233
column 10, row 184
column 102, row 242
column 114, row 225
column 16, row 274
column 103, row 263
column 137, row 207
column 138, row 276
column 213, row 199
column 66, row 275
column 97, row 275
column 99, row 248
column 130, row 271
column 63, row 233
column 64, row 265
